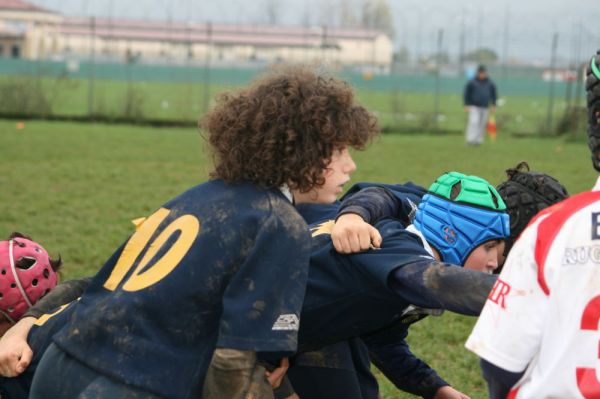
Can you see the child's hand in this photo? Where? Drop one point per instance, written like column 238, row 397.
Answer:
column 276, row 376
column 15, row 353
column 352, row 234
column 447, row 392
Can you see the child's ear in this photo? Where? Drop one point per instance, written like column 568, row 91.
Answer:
column 56, row 263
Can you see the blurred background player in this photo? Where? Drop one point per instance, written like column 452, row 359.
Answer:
column 537, row 335
column 479, row 94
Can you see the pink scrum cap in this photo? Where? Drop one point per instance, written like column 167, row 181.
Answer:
column 25, row 276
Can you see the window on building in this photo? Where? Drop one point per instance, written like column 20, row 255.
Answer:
column 15, row 51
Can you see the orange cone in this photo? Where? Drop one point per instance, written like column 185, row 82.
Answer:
column 491, row 127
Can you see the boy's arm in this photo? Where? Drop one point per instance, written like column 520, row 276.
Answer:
column 432, row 284
column 374, row 201
column 467, row 94
column 352, row 232
column 393, row 357
column 15, row 353
column 391, row 354
column 499, row 381
column 371, row 204
column 404, row 266
column 230, row 374
column 261, row 309
column 61, row 294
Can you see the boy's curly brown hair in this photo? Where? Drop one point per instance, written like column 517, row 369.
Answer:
column 283, row 128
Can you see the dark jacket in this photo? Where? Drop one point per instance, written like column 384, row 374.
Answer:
column 480, row 93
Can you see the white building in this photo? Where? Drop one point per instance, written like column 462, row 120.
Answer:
column 27, row 31
column 31, row 32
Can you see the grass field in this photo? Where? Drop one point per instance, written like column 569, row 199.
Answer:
column 174, row 101
column 75, row 187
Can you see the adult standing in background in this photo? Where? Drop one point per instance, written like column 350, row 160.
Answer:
column 480, row 92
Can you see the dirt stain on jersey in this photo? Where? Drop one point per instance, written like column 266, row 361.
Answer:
column 327, row 357
column 249, row 284
column 258, row 308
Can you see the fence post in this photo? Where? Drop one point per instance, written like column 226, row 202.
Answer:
column 91, row 67
column 551, row 94
column 438, row 63
column 207, row 65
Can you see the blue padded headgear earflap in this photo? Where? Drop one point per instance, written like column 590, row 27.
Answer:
column 456, row 227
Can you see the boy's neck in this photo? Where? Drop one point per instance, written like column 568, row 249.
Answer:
column 436, row 254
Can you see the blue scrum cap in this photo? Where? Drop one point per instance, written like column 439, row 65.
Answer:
column 459, row 213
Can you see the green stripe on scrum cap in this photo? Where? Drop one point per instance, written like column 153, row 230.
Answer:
column 474, row 190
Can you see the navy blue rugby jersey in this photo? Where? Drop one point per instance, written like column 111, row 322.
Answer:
column 219, row 266
column 404, row 199
column 349, row 295
column 403, row 191
column 316, row 213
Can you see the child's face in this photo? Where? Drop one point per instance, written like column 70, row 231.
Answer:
column 485, row 258
column 336, row 175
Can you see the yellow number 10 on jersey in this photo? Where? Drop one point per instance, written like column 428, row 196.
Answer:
column 147, row 274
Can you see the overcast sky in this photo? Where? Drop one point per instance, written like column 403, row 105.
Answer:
column 530, row 24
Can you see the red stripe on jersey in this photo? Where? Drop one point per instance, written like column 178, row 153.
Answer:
column 513, row 393
column 543, row 212
column 549, row 228
column 538, row 215
column 591, row 315
column 587, row 382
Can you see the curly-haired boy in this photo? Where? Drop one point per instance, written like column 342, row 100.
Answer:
column 213, row 281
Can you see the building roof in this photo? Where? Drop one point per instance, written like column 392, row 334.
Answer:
column 226, row 34
column 18, row 5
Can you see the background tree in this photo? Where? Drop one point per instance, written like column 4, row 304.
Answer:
column 402, row 56
column 377, row 14
column 482, row 55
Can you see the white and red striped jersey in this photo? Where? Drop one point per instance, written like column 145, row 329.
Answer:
column 542, row 315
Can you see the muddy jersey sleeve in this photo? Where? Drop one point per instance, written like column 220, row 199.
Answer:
column 262, row 301
column 62, row 294
column 432, row 284
column 374, row 202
